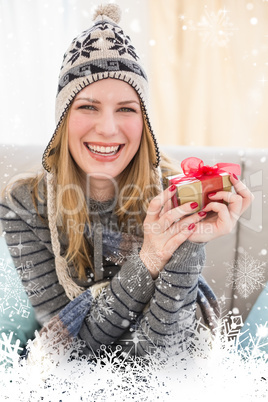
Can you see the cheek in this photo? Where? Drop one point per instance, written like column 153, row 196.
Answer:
column 76, row 127
column 135, row 132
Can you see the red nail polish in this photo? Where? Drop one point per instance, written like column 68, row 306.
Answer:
column 172, row 187
column 202, row 213
column 194, row 205
column 212, row 194
column 235, row 176
column 191, row 227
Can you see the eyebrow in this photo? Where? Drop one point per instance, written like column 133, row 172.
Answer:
column 90, row 100
column 128, row 101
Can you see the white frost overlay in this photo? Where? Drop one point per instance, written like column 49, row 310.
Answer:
column 213, row 368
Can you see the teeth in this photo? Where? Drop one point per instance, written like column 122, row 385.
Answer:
column 103, row 150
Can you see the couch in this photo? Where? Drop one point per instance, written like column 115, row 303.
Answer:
column 236, row 263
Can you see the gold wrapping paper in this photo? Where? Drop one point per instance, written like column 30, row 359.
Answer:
column 195, row 190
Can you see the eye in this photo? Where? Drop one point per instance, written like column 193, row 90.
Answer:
column 127, row 109
column 87, row 107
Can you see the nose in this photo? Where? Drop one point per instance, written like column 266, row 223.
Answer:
column 106, row 125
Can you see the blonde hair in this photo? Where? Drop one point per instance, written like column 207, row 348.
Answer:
column 70, row 193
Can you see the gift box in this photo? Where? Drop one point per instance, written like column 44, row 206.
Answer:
column 198, row 180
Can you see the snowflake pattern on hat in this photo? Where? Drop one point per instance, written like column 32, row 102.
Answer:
column 122, row 45
column 84, row 46
column 82, row 49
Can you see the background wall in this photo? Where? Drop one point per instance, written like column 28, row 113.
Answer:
column 34, row 34
column 210, row 71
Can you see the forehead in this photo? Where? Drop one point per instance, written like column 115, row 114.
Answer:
column 110, row 89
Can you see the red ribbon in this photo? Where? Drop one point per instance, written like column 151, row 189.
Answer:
column 194, row 168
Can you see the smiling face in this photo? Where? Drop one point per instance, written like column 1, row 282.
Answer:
column 105, row 128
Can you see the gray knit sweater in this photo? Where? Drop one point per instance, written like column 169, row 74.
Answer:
column 134, row 310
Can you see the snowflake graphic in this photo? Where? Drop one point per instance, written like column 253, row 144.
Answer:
column 258, row 343
column 20, row 246
column 215, row 28
column 150, row 258
column 231, row 326
column 13, row 300
column 245, row 274
column 102, row 307
column 138, row 336
column 117, row 258
column 83, row 48
column 262, row 330
column 33, row 288
column 222, row 299
column 176, row 339
column 116, row 376
column 51, row 347
column 135, row 278
column 122, row 45
column 26, row 268
column 9, row 350
column 132, row 315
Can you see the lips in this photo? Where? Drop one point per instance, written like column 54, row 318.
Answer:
column 104, row 152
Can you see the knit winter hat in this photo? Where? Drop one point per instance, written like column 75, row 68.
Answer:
column 102, row 51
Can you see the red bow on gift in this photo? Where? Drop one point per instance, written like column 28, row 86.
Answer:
column 195, row 168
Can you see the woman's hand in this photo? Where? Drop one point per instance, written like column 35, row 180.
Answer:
column 224, row 218
column 165, row 229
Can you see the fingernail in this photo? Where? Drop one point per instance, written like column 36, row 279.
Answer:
column 172, row 187
column 194, row 205
column 202, row 213
column 235, row 176
column 191, row 227
column 212, row 194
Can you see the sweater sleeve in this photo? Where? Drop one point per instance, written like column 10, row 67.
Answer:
column 170, row 317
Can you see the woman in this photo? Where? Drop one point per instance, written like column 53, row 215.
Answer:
column 115, row 262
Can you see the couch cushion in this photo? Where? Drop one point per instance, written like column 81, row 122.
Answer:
column 255, row 330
